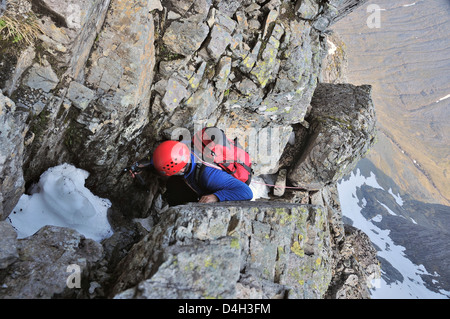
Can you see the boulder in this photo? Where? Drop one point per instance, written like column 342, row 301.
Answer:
column 343, row 128
column 333, row 11
column 185, row 37
column 307, row 9
column 280, row 184
column 80, row 95
column 73, row 13
column 41, row 77
column 12, row 132
column 224, row 250
column 70, row 29
column 357, row 267
column 46, row 262
column 8, row 245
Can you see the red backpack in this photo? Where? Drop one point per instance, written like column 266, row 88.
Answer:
column 213, row 146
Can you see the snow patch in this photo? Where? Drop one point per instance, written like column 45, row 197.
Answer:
column 387, row 208
column 397, row 197
column 377, row 218
column 332, row 48
column 443, row 98
column 61, row 199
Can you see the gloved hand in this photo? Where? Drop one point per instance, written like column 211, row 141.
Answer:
column 208, row 199
column 137, row 167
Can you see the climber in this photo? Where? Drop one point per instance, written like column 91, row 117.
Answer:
column 191, row 180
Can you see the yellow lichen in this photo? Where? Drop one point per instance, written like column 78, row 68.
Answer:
column 272, row 109
column 318, row 261
column 209, row 263
column 297, row 249
column 235, row 243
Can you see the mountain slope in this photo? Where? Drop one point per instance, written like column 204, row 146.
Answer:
column 406, row 62
column 411, row 237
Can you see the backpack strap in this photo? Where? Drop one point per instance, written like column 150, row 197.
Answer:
column 198, row 172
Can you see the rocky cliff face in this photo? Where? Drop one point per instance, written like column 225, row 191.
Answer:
column 101, row 82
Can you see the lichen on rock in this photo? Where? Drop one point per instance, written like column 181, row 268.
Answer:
column 276, row 244
column 105, row 81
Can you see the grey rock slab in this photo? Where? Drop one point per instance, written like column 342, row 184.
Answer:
column 80, row 95
column 41, row 77
column 343, row 130
column 42, row 269
column 8, row 245
column 186, row 36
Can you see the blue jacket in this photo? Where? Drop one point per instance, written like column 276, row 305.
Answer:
column 217, row 182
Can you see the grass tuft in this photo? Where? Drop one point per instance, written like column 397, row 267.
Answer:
column 18, row 30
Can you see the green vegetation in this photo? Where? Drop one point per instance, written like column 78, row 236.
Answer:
column 18, row 30
column 39, row 123
column 166, row 54
column 73, row 137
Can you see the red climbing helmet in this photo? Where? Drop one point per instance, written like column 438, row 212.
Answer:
column 170, row 157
